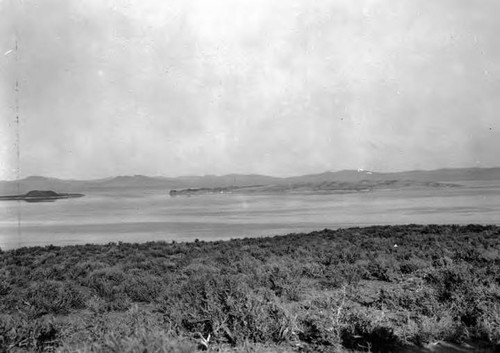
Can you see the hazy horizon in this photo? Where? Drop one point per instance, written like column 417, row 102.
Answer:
column 282, row 88
column 253, row 174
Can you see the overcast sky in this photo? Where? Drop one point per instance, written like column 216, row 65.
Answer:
column 282, row 87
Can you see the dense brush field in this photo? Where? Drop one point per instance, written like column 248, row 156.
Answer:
column 381, row 288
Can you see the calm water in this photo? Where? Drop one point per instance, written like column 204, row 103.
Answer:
column 143, row 216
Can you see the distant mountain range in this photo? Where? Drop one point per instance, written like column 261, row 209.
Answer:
column 342, row 180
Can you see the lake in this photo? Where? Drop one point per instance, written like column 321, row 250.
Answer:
column 146, row 215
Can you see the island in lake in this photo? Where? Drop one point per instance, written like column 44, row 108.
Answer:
column 40, row 196
column 316, row 187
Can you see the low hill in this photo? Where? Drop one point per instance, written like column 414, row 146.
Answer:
column 417, row 177
column 438, row 175
column 314, row 187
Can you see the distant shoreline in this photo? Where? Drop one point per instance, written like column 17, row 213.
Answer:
column 345, row 179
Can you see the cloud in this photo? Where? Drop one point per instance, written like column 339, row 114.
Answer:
column 282, row 87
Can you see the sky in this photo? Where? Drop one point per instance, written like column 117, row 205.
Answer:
column 282, row 87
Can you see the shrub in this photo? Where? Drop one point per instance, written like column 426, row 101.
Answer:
column 140, row 342
column 53, row 297
column 19, row 332
column 361, row 331
column 229, row 311
column 143, row 288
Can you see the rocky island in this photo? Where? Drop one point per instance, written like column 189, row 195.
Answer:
column 40, row 196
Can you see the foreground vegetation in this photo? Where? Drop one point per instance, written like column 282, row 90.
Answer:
column 383, row 288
